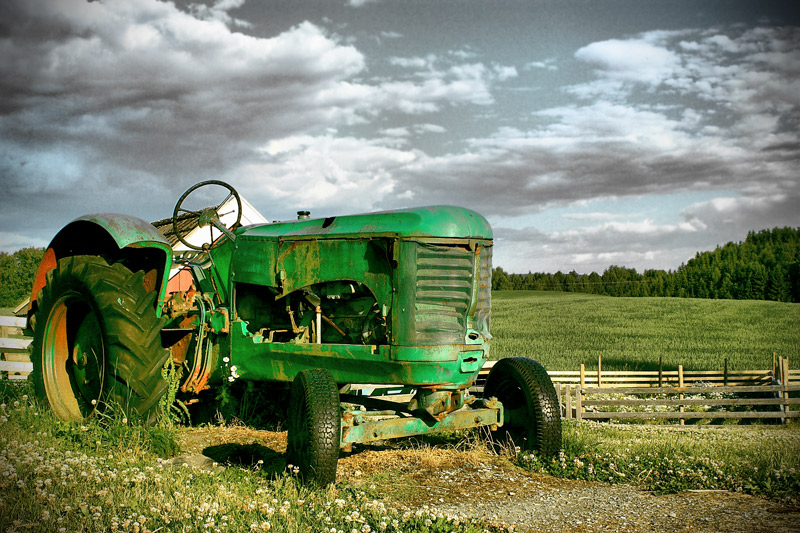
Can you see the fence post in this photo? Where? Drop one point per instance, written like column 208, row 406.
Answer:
column 568, row 397
column 660, row 372
column 774, row 366
column 725, row 373
column 680, row 396
column 785, row 395
column 579, row 393
column 559, row 396
column 599, row 370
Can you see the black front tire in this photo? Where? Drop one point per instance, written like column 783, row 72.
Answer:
column 314, row 426
column 97, row 341
column 530, row 402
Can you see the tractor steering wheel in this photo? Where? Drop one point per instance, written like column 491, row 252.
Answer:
column 208, row 216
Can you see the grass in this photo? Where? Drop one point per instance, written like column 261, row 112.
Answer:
column 563, row 330
column 759, row 460
column 107, row 474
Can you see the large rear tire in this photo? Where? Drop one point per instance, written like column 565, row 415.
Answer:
column 532, row 414
column 97, row 341
column 314, row 426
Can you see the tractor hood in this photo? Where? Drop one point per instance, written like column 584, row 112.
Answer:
column 421, row 222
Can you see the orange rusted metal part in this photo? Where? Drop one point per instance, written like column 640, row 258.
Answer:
column 48, row 263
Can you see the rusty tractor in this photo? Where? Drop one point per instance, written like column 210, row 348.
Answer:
column 392, row 299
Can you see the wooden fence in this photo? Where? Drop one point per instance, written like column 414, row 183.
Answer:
column 15, row 362
column 660, row 394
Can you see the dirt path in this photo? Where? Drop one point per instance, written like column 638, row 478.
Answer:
column 474, row 483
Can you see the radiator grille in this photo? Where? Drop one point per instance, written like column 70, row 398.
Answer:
column 443, row 293
column 483, row 309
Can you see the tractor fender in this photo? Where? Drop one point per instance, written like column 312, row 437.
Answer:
column 130, row 240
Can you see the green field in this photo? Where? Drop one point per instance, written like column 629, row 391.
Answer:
column 562, row 330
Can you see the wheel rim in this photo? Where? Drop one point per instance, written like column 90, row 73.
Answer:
column 73, row 358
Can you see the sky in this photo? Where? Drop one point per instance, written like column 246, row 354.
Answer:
column 589, row 133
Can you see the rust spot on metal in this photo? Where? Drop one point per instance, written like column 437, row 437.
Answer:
column 150, row 280
column 48, row 263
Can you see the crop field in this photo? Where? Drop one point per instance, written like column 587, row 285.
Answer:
column 562, row 330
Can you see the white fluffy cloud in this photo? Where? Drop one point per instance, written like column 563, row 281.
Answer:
column 632, row 60
column 328, row 173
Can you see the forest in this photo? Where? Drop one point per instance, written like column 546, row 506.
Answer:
column 766, row 266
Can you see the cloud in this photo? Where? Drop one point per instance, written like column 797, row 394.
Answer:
column 361, row 3
column 632, row 60
column 117, row 98
column 596, row 216
column 139, row 85
column 131, row 99
column 219, row 11
column 547, row 64
column 329, row 174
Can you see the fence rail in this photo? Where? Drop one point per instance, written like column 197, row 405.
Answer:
column 14, row 360
column 644, row 392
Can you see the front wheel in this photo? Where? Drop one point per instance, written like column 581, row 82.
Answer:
column 314, row 426
column 532, row 414
column 97, row 340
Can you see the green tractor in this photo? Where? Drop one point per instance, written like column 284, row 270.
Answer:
column 397, row 300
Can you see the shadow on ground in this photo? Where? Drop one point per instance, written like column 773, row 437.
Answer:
column 247, row 455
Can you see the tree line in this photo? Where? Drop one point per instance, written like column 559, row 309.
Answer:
column 766, row 266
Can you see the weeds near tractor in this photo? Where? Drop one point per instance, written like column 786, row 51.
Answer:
column 109, row 474
column 758, row 460
column 173, row 411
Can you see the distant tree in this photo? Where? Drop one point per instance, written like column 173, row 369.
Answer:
column 500, row 280
column 17, row 272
